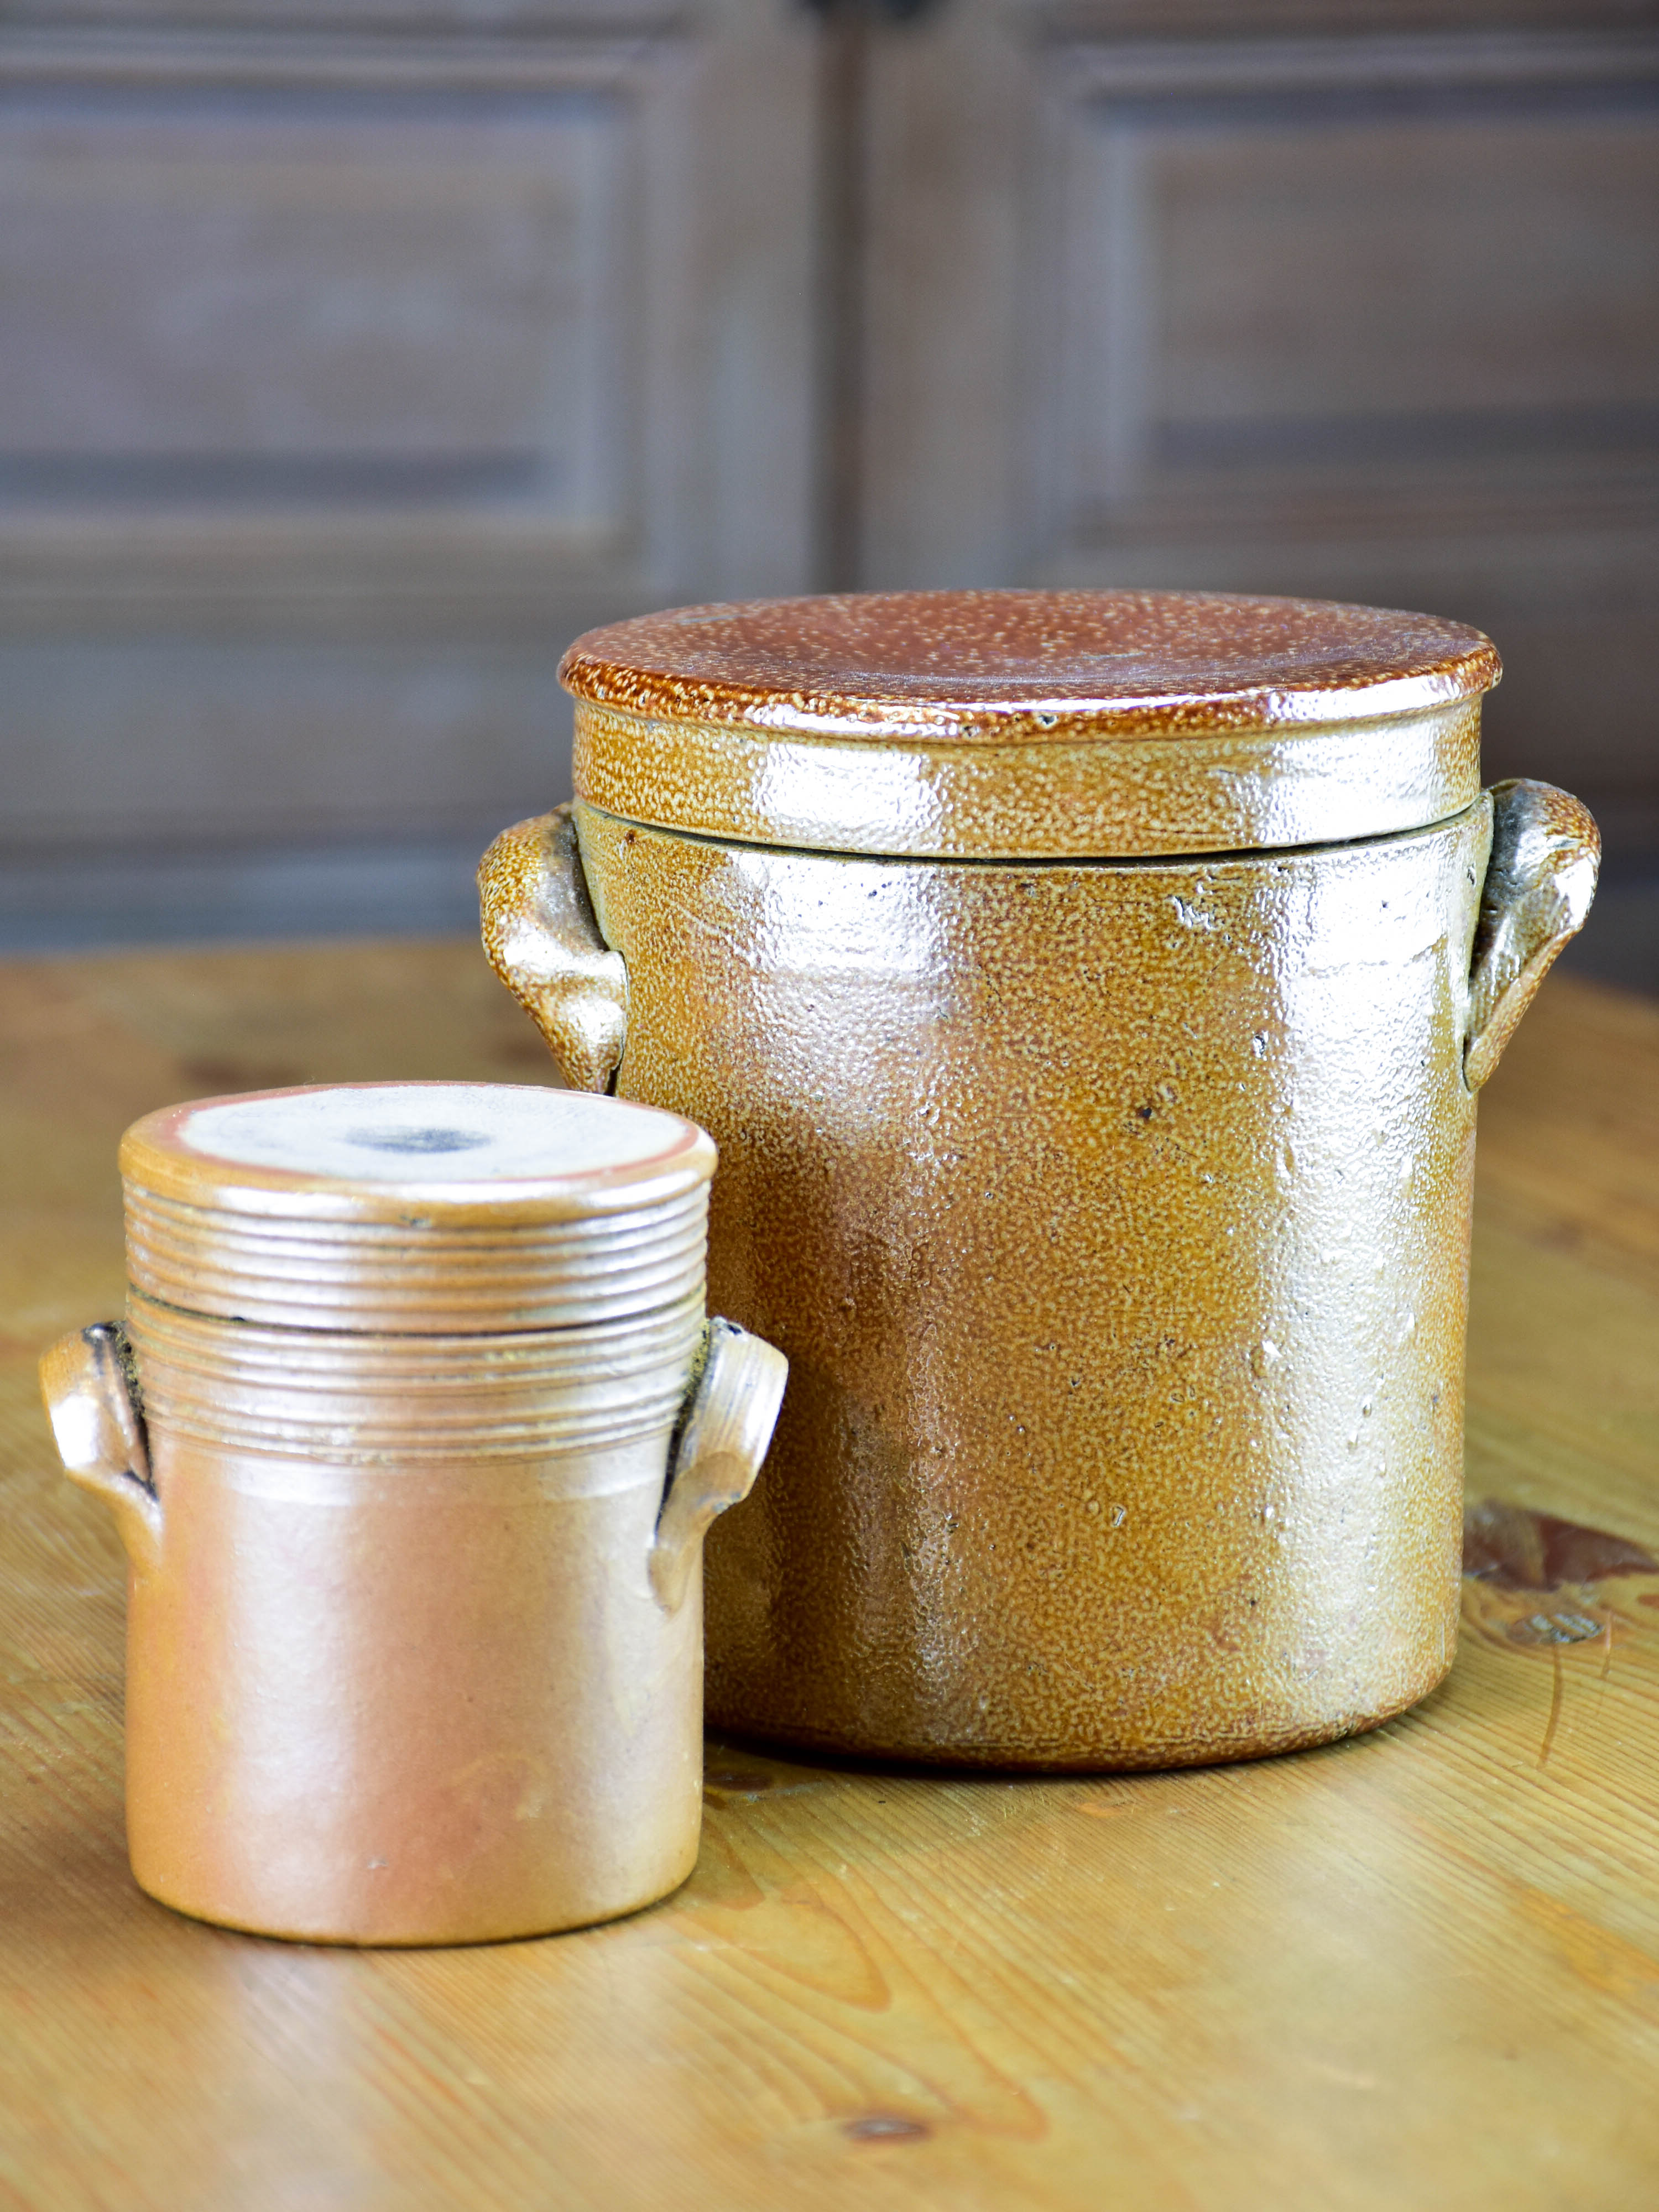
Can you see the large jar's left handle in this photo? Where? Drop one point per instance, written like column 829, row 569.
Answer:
column 1541, row 878
column 100, row 1431
column 543, row 942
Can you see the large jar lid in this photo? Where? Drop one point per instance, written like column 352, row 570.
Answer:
column 431, row 1208
column 1047, row 723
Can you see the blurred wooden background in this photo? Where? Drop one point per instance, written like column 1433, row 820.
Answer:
column 354, row 357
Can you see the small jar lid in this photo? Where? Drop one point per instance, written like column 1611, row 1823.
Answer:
column 428, row 1208
column 1006, row 724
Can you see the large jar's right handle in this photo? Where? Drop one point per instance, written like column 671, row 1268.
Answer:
column 1546, row 850
column 543, row 942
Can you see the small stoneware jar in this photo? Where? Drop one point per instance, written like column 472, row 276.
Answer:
column 412, row 1433
column 1089, row 992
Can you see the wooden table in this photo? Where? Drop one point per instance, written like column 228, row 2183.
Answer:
column 1418, row 1970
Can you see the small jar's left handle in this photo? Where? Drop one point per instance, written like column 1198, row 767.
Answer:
column 100, row 1431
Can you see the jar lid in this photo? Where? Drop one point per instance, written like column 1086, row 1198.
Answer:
column 1000, row 724
column 417, row 1207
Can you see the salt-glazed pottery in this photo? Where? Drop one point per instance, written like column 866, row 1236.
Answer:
column 1088, row 993
column 413, row 1643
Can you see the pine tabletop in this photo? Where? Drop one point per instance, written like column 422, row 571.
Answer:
column 1420, row 1968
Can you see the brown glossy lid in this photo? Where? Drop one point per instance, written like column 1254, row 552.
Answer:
column 973, row 668
column 431, row 1207
column 1031, row 721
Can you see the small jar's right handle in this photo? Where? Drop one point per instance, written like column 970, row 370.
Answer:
column 731, row 1413
column 543, row 941
column 1546, row 850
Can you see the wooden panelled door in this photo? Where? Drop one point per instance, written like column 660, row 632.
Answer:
column 1277, row 297
column 354, row 358
column 349, row 367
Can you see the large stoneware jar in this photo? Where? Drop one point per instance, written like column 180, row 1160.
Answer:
column 1088, row 993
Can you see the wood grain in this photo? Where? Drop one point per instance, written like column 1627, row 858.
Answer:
column 1421, row 1968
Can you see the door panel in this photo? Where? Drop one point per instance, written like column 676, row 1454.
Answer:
column 343, row 379
column 1363, row 317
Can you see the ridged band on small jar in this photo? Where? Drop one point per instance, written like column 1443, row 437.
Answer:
column 1110, row 796
column 358, row 1400
column 426, row 1277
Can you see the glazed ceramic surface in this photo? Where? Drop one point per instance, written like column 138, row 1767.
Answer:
column 1113, row 1211
column 415, row 1616
column 987, row 724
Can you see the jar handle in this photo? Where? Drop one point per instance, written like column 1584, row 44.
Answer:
column 732, row 1411
column 545, row 943
column 1541, row 878
column 85, row 1379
